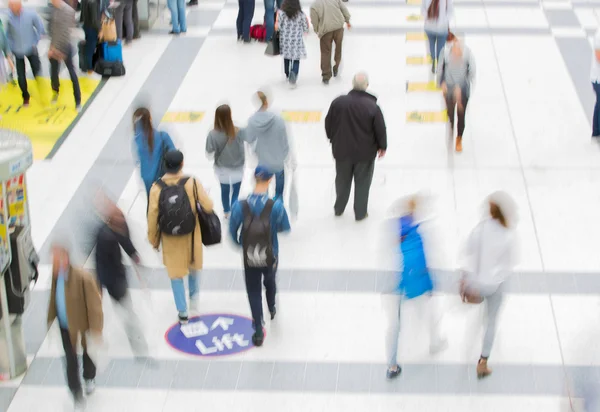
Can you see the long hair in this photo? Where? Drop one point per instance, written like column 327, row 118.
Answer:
column 292, row 7
column 223, row 121
column 433, row 12
column 496, row 214
column 143, row 115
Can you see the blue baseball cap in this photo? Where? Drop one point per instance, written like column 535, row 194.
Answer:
column 262, row 173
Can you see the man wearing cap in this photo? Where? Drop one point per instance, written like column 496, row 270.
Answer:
column 242, row 214
column 182, row 255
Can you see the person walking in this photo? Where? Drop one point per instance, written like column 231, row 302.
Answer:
column 112, row 235
column 4, row 58
column 260, row 220
column 437, row 14
column 178, row 16
column 149, row 148
column 490, row 256
column 23, row 32
column 292, row 24
column 62, row 23
column 75, row 300
column 173, row 223
column 124, row 21
column 356, row 130
column 90, row 19
column 595, row 77
column 414, row 280
column 456, row 73
column 225, row 143
column 327, row 18
column 268, row 133
column 244, row 19
column 271, row 8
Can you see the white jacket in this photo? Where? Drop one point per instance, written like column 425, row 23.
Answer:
column 442, row 23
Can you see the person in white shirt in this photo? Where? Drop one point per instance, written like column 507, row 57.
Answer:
column 490, row 256
column 595, row 77
column 437, row 15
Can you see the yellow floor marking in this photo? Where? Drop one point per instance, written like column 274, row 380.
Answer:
column 422, row 87
column 301, row 116
column 413, row 2
column 42, row 122
column 415, row 36
column 414, row 17
column 183, row 117
column 427, row 117
column 418, row 60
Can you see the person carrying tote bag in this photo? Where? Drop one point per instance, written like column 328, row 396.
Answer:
column 489, row 258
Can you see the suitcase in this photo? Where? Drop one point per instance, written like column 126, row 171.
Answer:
column 112, row 51
column 83, row 61
column 109, row 69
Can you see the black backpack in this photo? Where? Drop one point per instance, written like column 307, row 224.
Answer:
column 175, row 214
column 257, row 243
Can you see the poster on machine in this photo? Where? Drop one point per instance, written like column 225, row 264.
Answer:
column 17, row 198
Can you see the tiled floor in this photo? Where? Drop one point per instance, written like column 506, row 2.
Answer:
column 528, row 133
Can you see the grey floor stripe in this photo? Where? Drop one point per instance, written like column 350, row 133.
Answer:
column 365, row 281
column 6, row 395
column 577, row 54
column 522, row 31
column 231, row 375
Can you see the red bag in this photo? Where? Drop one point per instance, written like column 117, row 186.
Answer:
column 258, row 32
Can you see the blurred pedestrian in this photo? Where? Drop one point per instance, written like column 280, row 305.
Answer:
column 124, row 21
column 437, row 14
column 271, row 8
column 173, row 223
column 414, row 281
column 225, row 142
column 327, row 18
column 254, row 225
column 178, row 16
column 356, row 130
column 456, row 73
column 76, row 302
column 489, row 258
column 268, row 133
column 90, row 19
column 292, row 24
column 149, row 148
column 5, row 58
column 595, row 76
column 244, row 19
column 112, row 235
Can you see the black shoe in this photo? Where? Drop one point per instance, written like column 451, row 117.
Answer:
column 257, row 340
column 192, row 3
column 338, row 214
column 391, row 374
column 176, row 33
column 336, row 69
column 325, row 82
column 433, row 68
column 273, row 312
column 183, row 319
column 246, row 41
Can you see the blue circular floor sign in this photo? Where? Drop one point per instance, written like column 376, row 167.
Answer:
column 212, row 335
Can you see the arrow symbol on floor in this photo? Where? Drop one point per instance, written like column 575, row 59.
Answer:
column 224, row 323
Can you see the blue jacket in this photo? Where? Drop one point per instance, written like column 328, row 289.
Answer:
column 24, row 32
column 415, row 279
column 150, row 162
column 279, row 219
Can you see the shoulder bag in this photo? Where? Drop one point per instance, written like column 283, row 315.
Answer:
column 210, row 225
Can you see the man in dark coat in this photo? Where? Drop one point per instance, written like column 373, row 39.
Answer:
column 356, row 129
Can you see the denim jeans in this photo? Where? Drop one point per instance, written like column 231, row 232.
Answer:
column 228, row 201
column 493, row 303
column 55, row 81
column 279, row 184
column 293, row 64
column 437, row 41
column 596, row 118
column 36, row 67
column 254, row 276
column 178, row 20
column 244, row 18
column 91, row 42
column 179, row 291
column 270, row 16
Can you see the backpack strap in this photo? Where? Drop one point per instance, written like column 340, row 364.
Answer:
column 161, row 183
column 183, row 181
column 266, row 212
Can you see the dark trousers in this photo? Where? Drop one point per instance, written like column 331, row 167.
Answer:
column 244, row 18
column 54, row 80
column 91, row 42
column 460, row 113
column 362, row 174
column 326, row 45
column 291, row 66
column 72, row 365
column 229, row 195
column 254, row 277
column 124, row 20
column 596, row 118
column 34, row 62
column 136, row 20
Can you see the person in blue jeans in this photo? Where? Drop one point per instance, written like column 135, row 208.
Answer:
column 270, row 7
column 268, row 133
column 244, row 19
column 242, row 215
column 90, row 19
column 178, row 18
column 225, row 142
column 437, row 15
column 595, row 77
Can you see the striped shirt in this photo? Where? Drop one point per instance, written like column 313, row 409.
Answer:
column 61, row 24
column 458, row 72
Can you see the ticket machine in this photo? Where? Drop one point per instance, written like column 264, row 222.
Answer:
column 18, row 259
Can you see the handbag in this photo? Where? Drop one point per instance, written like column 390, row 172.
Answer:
column 273, row 46
column 108, row 30
column 210, row 225
column 467, row 295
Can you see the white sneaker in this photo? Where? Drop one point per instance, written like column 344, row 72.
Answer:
column 195, row 304
column 89, row 386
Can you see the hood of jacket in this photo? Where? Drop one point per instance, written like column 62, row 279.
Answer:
column 272, row 146
column 263, row 120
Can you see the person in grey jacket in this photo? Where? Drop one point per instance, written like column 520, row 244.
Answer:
column 269, row 133
column 225, row 142
column 437, row 15
column 328, row 18
column 62, row 22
